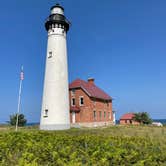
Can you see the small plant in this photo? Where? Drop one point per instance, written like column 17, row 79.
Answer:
column 21, row 120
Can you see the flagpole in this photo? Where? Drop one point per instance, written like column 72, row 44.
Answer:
column 19, row 99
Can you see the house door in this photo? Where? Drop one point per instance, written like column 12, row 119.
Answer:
column 73, row 117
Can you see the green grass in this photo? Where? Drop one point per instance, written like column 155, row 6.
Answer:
column 116, row 145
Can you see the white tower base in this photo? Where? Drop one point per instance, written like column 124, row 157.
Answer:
column 55, row 127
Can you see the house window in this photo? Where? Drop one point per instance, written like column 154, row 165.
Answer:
column 73, row 102
column 100, row 115
column 81, row 101
column 104, row 114
column 94, row 102
column 73, row 92
column 50, row 54
column 46, row 113
column 109, row 115
column 107, row 104
column 94, row 115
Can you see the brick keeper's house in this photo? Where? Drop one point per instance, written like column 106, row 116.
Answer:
column 127, row 119
column 89, row 105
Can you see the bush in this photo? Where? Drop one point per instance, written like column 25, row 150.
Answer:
column 57, row 148
column 21, row 120
column 142, row 118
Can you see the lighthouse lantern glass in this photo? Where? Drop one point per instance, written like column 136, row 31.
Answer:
column 57, row 10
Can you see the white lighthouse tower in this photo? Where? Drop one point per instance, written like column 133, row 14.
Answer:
column 55, row 104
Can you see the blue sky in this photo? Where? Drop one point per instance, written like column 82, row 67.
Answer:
column 122, row 44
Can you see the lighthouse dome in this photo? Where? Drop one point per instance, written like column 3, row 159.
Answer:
column 57, row 9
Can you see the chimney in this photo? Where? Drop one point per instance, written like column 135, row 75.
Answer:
column 91, row 80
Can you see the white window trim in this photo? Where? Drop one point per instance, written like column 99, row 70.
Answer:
column 72, row 101
column 80, row 100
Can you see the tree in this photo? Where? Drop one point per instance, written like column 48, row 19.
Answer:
column 142, row 117
column 21, row 120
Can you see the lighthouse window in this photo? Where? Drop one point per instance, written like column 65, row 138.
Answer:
column 50, row 54
column 46, row 113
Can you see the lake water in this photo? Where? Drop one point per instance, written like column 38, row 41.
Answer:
column 163, row 121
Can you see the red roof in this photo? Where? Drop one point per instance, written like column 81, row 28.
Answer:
column 128, row 116
column 90, row 89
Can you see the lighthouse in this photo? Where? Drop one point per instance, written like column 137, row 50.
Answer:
column 55, row 102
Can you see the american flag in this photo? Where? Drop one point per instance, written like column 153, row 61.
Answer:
column 22, row 74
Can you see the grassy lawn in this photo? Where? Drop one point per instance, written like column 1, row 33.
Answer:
column 116, row 145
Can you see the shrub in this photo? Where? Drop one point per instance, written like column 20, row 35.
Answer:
column 142, row 117
column 58, row 148
column 21, row 120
